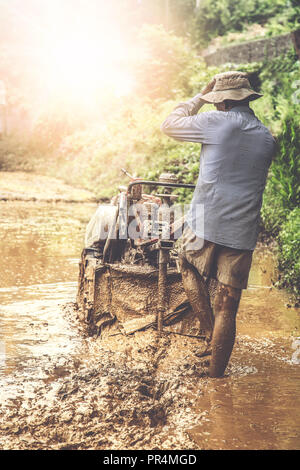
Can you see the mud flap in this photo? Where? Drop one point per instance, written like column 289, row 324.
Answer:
column 120, row 298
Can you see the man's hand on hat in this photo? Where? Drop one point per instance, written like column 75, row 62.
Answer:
column 209, row 87
column 200, row 97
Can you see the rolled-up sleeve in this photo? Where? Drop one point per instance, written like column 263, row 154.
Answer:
column 185, row 124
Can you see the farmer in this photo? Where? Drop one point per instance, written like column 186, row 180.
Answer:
column 223, row 222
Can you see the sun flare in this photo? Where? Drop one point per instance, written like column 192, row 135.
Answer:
column 83, row 64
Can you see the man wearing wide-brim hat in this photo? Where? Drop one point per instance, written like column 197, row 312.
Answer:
column 223, row 222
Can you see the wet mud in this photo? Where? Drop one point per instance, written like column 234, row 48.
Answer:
column 128, row 393
column 61, row 389
column 25, row 186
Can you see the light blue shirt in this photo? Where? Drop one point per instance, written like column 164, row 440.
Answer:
column 237, row 150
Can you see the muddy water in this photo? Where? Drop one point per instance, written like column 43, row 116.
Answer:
column 39, row 244
column 257, row 405
column 60, row 389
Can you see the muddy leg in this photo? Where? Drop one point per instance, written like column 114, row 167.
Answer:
column 225, row 309
column 198, row 296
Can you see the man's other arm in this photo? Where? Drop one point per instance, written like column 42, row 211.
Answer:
column 183, row 123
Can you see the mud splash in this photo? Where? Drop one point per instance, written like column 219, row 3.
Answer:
column 109, row 401
column 60, row 389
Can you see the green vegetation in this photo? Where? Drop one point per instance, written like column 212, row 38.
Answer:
column 91, row 153
column 218, row 18
column 289, row 260
column 280, row 211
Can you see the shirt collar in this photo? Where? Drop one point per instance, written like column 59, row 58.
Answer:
column 242, row 109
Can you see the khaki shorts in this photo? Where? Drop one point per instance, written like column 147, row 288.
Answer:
column 228, row 265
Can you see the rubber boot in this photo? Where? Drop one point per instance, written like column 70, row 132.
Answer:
column 225, row 309
column 198, row 296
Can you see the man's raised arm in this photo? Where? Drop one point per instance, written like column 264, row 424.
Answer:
column 183, row 123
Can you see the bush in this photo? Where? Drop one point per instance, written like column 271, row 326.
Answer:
column 280, row 112
column 14, row 154
column 287, row 20
column 289, row 253
column 217, row 18
column 286, row 167
column 165, row 67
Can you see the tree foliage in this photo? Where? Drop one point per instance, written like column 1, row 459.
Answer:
column 166, row 65
column 216, row 18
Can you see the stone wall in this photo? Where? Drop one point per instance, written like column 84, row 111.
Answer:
column 255, row 51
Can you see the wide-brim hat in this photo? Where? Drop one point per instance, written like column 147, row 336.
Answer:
column 231, row 86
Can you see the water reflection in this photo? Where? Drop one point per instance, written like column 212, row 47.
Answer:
column 39, row 244
column 254, row 412
column 257, row 406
